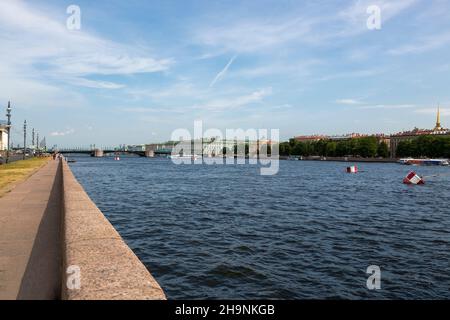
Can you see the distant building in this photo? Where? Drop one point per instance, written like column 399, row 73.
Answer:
column 215, row 147
column 395, row 139
column 163, row 148
column 212, row 147
column 136, row 148
column 384, row 138
column 3, row 135
column 346, row 136
column 310, row 138
column 380, row 136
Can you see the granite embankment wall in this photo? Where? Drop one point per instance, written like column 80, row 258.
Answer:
column 108, row 268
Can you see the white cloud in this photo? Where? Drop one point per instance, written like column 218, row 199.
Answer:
column 352, row 74
column 388, row 106
column 296, row 68
column 153, row 109
column 282, row 106
column 364, row 105
column 234, row 103
column 94, row 84
column 62, row 133
column 433, row 111
column 307, row 28
column 252, row 35
column 178, row 90
column 348, row 101
column 27, row 91
column 423, row 45
column 40, row 49
column 211, row 104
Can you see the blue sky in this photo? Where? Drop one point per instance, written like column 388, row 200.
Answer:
column 137, row 70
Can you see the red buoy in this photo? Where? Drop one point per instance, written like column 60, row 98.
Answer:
column 413, row 178
column 352, row 169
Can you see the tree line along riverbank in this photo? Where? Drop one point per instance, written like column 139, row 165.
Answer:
column 429, row 146
column 368, row 147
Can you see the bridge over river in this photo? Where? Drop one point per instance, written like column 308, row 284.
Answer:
column 100, row 152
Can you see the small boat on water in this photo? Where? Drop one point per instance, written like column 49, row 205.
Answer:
column 183, row 157
column 424, row 162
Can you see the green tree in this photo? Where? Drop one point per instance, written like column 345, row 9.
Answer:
column 367, row 147
column 321, row 147
column 292, row 142
column 330, row 150
column 285, row 149
column 343, row 148
column 404, row 149
column 299, row 149
column 446, row 148
column 383, row 150
column 425, row 146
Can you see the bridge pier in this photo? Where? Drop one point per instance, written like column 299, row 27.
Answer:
column 149, row 153
column 97, row 153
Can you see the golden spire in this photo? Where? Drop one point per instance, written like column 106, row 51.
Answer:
column 438, row 120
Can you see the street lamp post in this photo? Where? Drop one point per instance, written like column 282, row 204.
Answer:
column 8, row 115
column 24, row 138
column 37, row 143
column 32, row 138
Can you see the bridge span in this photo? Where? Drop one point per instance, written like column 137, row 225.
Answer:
column 102, row 152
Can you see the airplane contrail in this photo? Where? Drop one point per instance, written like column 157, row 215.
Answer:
column 222, row 73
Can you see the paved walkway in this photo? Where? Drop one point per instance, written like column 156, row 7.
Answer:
column 30, row 240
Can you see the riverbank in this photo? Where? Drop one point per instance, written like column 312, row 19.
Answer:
column 56, row 244
column 13, row 173
column 342, row 159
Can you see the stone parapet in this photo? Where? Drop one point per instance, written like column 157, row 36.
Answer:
column 94, row 251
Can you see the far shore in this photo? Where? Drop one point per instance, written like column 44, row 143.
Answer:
column 342, row 159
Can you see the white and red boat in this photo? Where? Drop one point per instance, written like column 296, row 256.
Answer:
column 424, row 162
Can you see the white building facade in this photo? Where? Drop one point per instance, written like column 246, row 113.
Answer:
column 3, row 136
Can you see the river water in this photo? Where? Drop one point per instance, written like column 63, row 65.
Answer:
column 311, row 231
